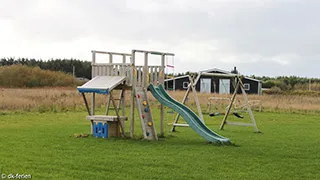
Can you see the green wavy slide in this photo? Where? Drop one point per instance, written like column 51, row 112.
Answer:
column 187, row 114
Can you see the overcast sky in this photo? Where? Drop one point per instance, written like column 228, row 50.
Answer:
column 260, row 37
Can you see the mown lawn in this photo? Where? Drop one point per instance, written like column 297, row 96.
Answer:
column 43, row 145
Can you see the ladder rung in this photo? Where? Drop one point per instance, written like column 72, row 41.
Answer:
column 182, row 125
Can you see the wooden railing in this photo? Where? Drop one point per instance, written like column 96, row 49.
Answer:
column 152, row 76
column 113, row 69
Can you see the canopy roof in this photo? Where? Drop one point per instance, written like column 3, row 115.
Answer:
column 101, row 84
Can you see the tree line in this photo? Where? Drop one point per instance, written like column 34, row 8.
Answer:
column 82, row 68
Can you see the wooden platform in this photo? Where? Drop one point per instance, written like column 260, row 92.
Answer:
column 106, row 118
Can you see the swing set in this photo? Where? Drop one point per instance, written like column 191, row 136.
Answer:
column 216, row 105
column 237, row 84
column 222, row 102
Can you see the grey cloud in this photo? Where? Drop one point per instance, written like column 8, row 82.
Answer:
column 261, row 37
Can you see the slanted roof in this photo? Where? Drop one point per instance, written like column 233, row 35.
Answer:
column 101, row 84
column 216, row 70
column 227, row 72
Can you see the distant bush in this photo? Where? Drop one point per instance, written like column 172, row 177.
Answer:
column 268, row 84
column 273, row 90
column 291, row 83
column 25, row 76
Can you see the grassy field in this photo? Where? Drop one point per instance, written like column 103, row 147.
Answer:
column 43, row 145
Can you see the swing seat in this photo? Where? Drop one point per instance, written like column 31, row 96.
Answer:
column 237, row 115
column 214, row 114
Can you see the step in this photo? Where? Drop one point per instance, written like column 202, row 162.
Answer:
column 181, row 125
column 106, row 118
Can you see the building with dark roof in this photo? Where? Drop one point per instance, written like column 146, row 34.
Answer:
column 210, row 84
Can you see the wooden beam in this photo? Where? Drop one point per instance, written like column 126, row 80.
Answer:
column 248, row 107
column 113, row 53
column 161, row 81
column 133, row 79
column 88, row 109
column 106, row 118
column 183, row 101
column 220, row 75
column 93, row 103
column 111, row 64
column 145, row 71
column 86, row 103
column 230, row 106
column 181, row 125
column 185, row 98
column 93, row 109
column 196, row 99
column 240, row 85
column 123, row 102
column 108, row 105
column 153, row 52
column 118, row 116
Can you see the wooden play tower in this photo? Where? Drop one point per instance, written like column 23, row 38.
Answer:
column 108, row 77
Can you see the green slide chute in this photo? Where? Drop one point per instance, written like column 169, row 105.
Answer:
column 187, row 114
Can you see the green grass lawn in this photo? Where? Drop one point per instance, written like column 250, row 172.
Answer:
column 43, row 145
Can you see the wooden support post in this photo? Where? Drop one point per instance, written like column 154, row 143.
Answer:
column 240, row 85
column 86, row 103
column 123, row 101
column 120, row 96
column 93, row 103
column 133, row 79
column 92, row 109
column 161, row 81
column 118, row 116
column 151, row 75
column 230, row 106
column 178, row 115
column 88, row 109
column 123, row 58
column 93, row 73
column 145, row 71
column 191, row 86
column 196, row 99
column 248, row 107
column 108, row 105
column 110, row 58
